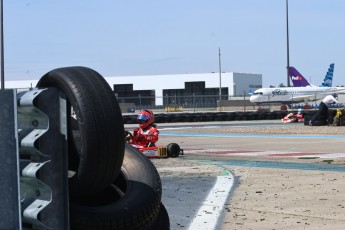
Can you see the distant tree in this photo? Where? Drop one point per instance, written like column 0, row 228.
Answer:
column 272, row 86
column 281, row 85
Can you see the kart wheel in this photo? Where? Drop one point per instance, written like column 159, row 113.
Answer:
column 131, row 202
column 163, row 221
column 173, row 150
column 95, row 131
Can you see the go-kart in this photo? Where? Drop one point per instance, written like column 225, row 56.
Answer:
column 293, row 117
column 172, row 150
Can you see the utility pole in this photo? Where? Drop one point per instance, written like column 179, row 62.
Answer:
column 287, row 42
column 220, row 77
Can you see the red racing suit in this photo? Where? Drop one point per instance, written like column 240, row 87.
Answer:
column 145, row 137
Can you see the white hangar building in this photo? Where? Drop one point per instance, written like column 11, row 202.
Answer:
column 232, row 84
column 159, row 86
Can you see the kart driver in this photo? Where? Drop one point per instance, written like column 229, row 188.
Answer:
column 323, row 108
column 147, row 134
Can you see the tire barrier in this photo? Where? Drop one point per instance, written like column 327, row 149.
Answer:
column 316, row 123
column 111, row 184
column 68, row 166
column 210, row 116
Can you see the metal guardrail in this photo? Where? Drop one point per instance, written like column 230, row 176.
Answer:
column 33, row 172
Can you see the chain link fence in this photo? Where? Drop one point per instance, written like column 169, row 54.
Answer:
column 204, row 103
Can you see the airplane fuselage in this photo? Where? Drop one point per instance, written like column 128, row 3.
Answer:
column 289, row 95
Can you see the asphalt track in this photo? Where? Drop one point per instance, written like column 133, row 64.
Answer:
column 210, row 186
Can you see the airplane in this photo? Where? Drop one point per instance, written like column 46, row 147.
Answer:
column 302, row 91
column 290, row 95
column 299, row 81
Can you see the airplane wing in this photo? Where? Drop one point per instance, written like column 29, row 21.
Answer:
column 305, row 98
column 317, row 96
column 339, row 89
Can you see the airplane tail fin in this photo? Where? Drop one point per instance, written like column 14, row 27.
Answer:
column 297, row 79
column 327, row 82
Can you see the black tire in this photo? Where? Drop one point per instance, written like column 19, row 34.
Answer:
column 316, row 122
column 163, row 221
column 306, row 120
column 133, row 202
column 96, row 157
column 173, row 150
column 330, row 119
column 319, row 123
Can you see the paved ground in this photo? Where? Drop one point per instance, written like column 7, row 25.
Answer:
column 292, row 181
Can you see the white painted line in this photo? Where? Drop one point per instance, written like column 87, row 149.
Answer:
column 213, row 206
column 175, row 128
column 330, row 155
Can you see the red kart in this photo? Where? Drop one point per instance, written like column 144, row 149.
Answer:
column 172, row 150
column 293, row 117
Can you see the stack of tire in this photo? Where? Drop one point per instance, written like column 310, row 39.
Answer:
column 111, row 184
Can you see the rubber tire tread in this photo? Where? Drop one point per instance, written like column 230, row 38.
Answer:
column 137, row 209
column 163, row 221
column 173, row 150
column 100, row 125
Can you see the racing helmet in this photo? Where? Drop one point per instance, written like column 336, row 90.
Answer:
column 145, row 118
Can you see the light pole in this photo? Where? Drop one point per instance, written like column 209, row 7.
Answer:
column 220, row 76
column 287, row 42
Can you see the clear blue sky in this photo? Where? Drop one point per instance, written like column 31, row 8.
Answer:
column 136, row 37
